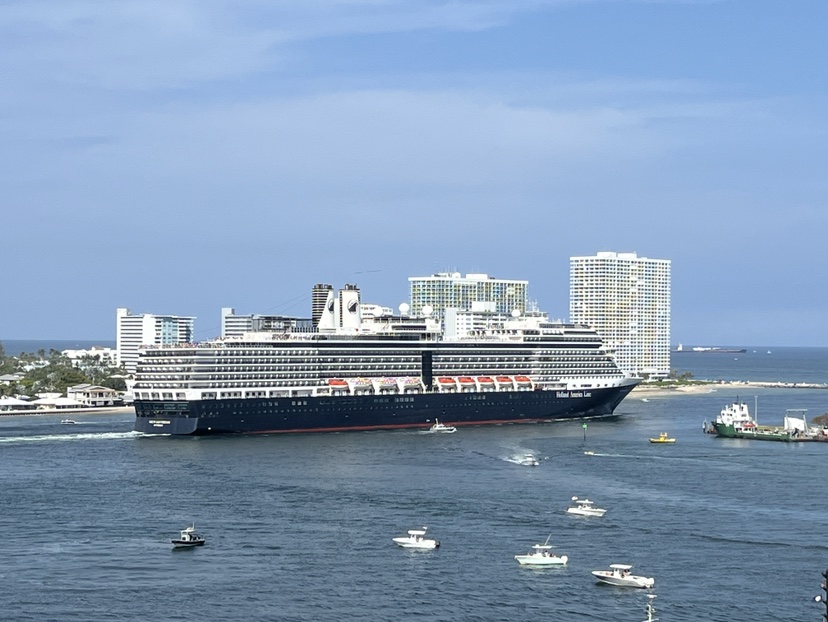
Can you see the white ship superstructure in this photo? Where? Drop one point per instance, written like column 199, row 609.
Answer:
column 379, row 357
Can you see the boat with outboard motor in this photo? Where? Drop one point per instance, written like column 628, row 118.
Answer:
column 542, row 555
column 188, row 539
column 441, row 428
column 620, row 576
column 349, row 371
column 663, row 438
column 416, row 539
column 585, row 507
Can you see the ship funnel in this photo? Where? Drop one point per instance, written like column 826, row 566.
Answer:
column 350, row 317
column 327, row 319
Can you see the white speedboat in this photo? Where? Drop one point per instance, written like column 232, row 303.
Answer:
column 442, row 428
column 416, row 539
column 68, row 421
column 585, row 507
column 528, row 460
column 542, row 555
column 619, row 575
column 188, row 539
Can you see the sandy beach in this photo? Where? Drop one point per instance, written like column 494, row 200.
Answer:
column 659, row 390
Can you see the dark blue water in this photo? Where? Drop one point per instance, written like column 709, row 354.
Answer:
column 762, row 364
column 300, row 527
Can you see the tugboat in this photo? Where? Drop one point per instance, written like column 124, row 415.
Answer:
column 188, row 539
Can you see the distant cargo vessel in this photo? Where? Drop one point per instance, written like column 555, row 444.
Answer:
column 680, row 348
column 386, row 372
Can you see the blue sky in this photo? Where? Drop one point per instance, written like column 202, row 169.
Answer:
column 181, row 156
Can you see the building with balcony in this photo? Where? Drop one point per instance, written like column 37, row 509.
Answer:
column 134, row 331
column 626, row 299
column 451, row 290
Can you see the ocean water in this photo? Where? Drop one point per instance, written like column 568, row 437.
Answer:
column 299, row 527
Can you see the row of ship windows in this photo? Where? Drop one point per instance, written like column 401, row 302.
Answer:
column 588, row 345
column 157, row 374
column 282, row 384
column 478, row 356
column 375, row 364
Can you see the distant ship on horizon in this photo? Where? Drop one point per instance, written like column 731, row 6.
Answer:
column 715, row 349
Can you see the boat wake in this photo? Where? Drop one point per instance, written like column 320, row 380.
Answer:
column 92, row 436
column 759, row 542
column 524, row 459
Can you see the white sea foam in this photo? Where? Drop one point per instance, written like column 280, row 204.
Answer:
column 92, row 436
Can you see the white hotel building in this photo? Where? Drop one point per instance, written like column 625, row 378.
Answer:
column 450, row 290
column 626, row 298
column 134, row 331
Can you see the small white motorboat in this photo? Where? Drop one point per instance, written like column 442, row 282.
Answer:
column 416, row 539
column 442, row 428
column 619, row 575
column 528, row 460
column 68, row 421
column 542, row 555
column 188, row 539
column 585, row 507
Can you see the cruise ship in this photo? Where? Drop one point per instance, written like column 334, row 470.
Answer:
column 351, row 372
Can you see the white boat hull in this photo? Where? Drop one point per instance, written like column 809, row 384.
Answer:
column 612, row 578
column 541, row 560
column 585, row 512
column 406, row 543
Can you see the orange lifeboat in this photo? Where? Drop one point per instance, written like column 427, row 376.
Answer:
column 485, row 380
column 504, row 380
column 337, row 382
column 523, row 379
column 446, row 381
column 466, row 380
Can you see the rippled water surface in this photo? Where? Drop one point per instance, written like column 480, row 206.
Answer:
column 300, row 527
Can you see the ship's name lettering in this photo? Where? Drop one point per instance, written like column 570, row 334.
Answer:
column 566, row 394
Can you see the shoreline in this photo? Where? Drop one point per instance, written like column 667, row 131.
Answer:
column 654, row 390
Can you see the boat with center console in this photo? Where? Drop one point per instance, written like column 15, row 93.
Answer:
column 349, row 372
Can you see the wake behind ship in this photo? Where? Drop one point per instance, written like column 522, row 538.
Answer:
column 379, row 372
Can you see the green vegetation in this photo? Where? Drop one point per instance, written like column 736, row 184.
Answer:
column 820, row 419
column 54, row 373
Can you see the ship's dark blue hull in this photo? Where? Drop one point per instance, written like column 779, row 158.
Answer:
column 370, row 412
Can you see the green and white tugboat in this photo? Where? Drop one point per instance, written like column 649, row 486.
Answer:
column 735, row 421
